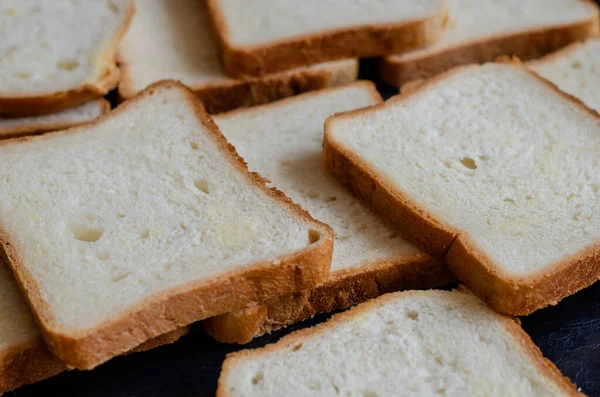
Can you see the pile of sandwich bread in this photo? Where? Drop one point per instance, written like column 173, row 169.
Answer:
column 313, row 196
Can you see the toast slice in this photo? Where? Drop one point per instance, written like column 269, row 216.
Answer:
column 481, row 30
column 161, row 30
column 58, row 54
column 369, row 258
column 575, row 70
column 414, row 343
column 24, row 357
column 476, row 165
column 20, row 126
column 277, row 35
column 144, row 221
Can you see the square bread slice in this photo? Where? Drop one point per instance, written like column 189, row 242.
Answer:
column 368, row 257
column 575, row 70
column 11, row 127
column 24, row 357
column 491, row 165
column 482, row 30
column 58, row 54
column 276, row 35
column 145, row 221
column 161, row 30
column 413, row 343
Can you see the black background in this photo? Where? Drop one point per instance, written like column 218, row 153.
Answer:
column 568, row 334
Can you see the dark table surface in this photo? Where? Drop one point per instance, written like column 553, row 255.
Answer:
column 568, row 334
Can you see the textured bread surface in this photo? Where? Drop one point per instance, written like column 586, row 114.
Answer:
column 368, row 256
column 415, row 343
column 145, row 221
column 161, row 30
column 476, row 164
column 263, row 37
column 19, row 126
column 58, row 54
column 575, row 70
column 481, row 30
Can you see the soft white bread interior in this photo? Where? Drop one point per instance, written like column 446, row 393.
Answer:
column 416, row 343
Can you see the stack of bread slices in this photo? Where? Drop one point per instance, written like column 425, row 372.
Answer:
column 221, row 190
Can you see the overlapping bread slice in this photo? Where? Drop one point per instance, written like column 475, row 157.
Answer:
column 172, row 39
column 275, row 35
column 58, row 54
column 282, row 141
column 575, row 70
column 490, row 165
column 481, row 30
column 145, row 221
column 24, row 357
column 413, row 343
column 11, row 127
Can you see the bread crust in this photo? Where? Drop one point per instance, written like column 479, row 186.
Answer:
column 563, row 52
column 298, row 337
column 229, row 94
column 13, row 104
column 506, row 293
column 32, row 362
column 30, row 128
column 352, row 42
column 525, row 45
column 179, row 306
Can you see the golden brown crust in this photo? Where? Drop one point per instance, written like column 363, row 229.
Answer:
column 525, row 45
column 33, row 105
column 225, row 95
column 31, row 128
column 298, row 337
column 355, row 42
column 188, row 303
column 504, row 292
column 342, row 290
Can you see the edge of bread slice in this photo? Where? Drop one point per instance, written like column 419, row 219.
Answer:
column 369, row 276
column 358, row 41
column 187, row 302
column 20, row 126
column 507, row 293
column 526, row 44
column 105, row 78
column 322, row 360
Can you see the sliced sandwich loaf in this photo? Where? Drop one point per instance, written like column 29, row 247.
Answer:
column 24, row 357
column 275, row 35
column 575, row 70
column 58, row 54
column 368, row 258
column 11, row 127
column 476, row 164
column 145, row 221
column 414, row 343
column 481, row 30
column 158, row 46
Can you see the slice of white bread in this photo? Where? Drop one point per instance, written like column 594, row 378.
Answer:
column 575, row 70
column 19, row 126
column 144, row 221
column 157, row 46
column 24, row 357
column 276, row 35
column 491, row 165
column 482, row 30
column 58, row 54
column 414, row 343
column 368, row 259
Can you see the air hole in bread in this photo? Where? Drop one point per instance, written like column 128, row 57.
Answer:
column 312, row 195
column 297, row 347
column 439, row 360
column 182, row 226
column 112, row 6
column 594, row 188
column 68, row 64
column 286, row 163
column 256, row 379
column 202, row 184
column 145, row 234
column 120, row 276
column 194, row 145
column 528, row 197
column 441, row 390
column 508, row 200
column 468, row 162
column 576, row 65
column 413, row 315
column 86, row 233
column 121, row 215
column 103, row 255
column 330, row 199
column 313, row 236
column 576, row 216
column 447, row 164
column 570, row 196
column 370, row 393
column 23, row 75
